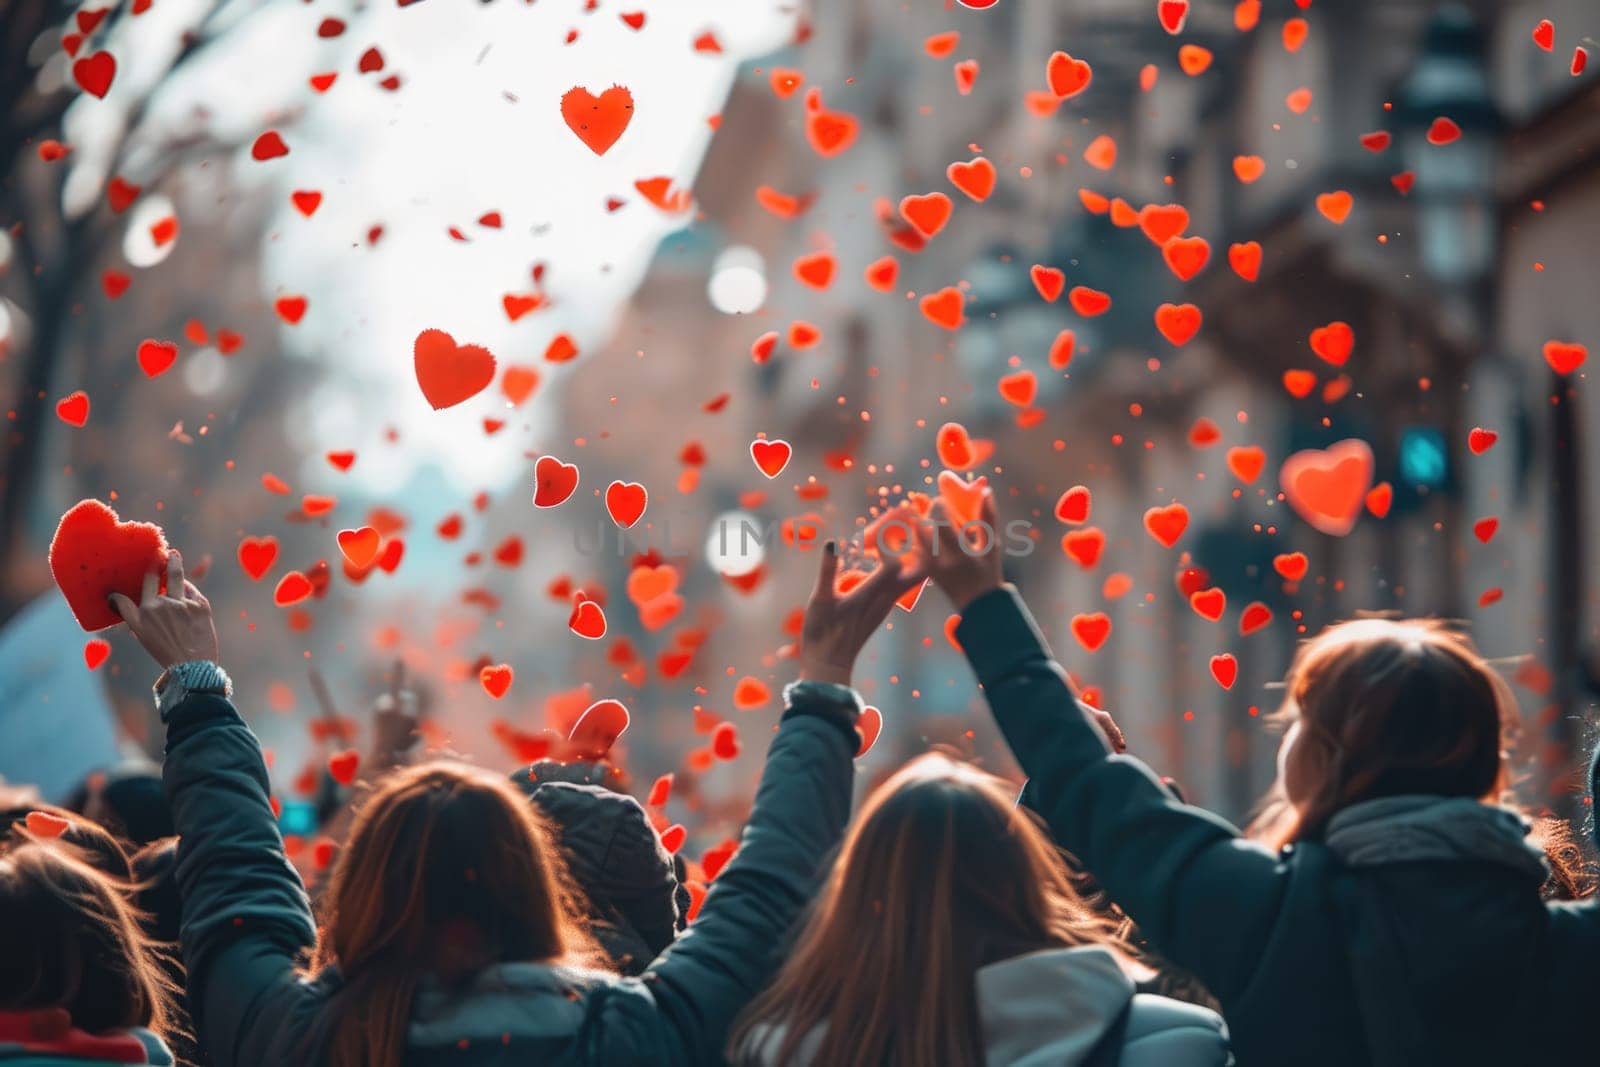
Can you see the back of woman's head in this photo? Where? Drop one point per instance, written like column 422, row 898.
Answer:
column 70, row 939
column 447, row 870
column 941, row 874
column 94, row 842
column 1385, row 707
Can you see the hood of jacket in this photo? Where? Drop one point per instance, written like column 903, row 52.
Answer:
column 1058, row 1007
column 48, row 1037
column 524, row 1002
column 1410, row 829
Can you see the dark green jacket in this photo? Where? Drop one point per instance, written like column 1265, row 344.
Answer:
column 247, row 923
column 1316, row 961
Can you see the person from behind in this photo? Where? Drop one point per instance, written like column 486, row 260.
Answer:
column 449, row 934
column 949, row 932
column 1393, row 917
column 80, row 982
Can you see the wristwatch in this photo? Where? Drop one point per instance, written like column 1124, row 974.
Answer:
column 181, row 679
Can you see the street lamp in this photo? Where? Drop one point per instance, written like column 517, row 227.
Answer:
column 1454, row 186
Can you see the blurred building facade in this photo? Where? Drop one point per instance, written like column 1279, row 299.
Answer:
column 1437, row 282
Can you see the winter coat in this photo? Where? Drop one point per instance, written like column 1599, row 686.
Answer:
column 614, row 855
column 47, row 1039
column 247, row 922
column 1412, row 933
column 1070, row 1007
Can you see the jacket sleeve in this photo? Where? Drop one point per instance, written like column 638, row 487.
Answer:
column 246, row 918
column 1204, row 896
column 732, row 949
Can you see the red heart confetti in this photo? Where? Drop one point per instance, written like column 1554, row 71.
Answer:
column 450, row 373
column 599, row 121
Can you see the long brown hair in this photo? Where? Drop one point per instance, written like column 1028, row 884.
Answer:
column 70, row 938
column 941, row 874
column 1387, row 707
column 447, row 870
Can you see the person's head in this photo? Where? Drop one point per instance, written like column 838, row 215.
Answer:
column 1387, row 707
column 71, row 940
column 446, row 871
column 94, row 843
column 941, row 874
column 129, row 802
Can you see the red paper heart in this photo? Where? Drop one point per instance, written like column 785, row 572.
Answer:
column 597, row 729
column 1088, row 302
column 1335, row 206
column 156, row 357
column 1327, row 488
column 256, row 555
column 1246, row 462
column 1254, row 617
column 1245, row 259
column 974, row 177
column 1186, row 256
column 1048, row 280
column 268, row 146
column 450, row 373
column 1333, row 343
column 553, row 481
column 496, row 680
column 73, row 409
column 95, row 651
column 626, row 502
column 1091, row 630
column 94, row 555
column 1073, row 507
column 1173, row 14
column 94, row 73
column 1084, row 546
column 1225, row 669
column 816, row 270
column 587, row 620
column 1067, row 76
column 597, row 120
column 771, row 457
column 360, row 546
column 46, row 824
column 927, row 213
column 880, row 275
column 1564, row 357
column 1167, row 524
column 1480, row 440
column 869, row 725
column 1544, row 35
column 344, row 765
column 1162, row 222
column 1209, row 604
column 1291, row 565
column 1178, row 323
column 944, row 308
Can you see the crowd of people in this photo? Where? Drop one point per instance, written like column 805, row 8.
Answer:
column 1389, row 905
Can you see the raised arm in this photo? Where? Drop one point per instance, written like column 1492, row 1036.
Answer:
column 1203, row 895
column 732, row 949
column 246, row 918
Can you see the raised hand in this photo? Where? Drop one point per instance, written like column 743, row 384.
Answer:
column 176, row 627
column 835, row 627
column 963, row 562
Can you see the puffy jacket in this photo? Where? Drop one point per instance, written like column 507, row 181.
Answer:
column 614, row 855
column 246, row 921
column 46, row 1039
column 1072, row 1007
column 1412, row 934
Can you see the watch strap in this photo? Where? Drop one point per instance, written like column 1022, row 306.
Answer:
column 195, row 676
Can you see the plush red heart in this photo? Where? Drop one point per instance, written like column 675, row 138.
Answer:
column 597, row 729
column 450, row 373
column 770, row 456
column 597, row 120
column 94, row 555
column 1327, row 488
column 553, row 481
column 626, row 502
